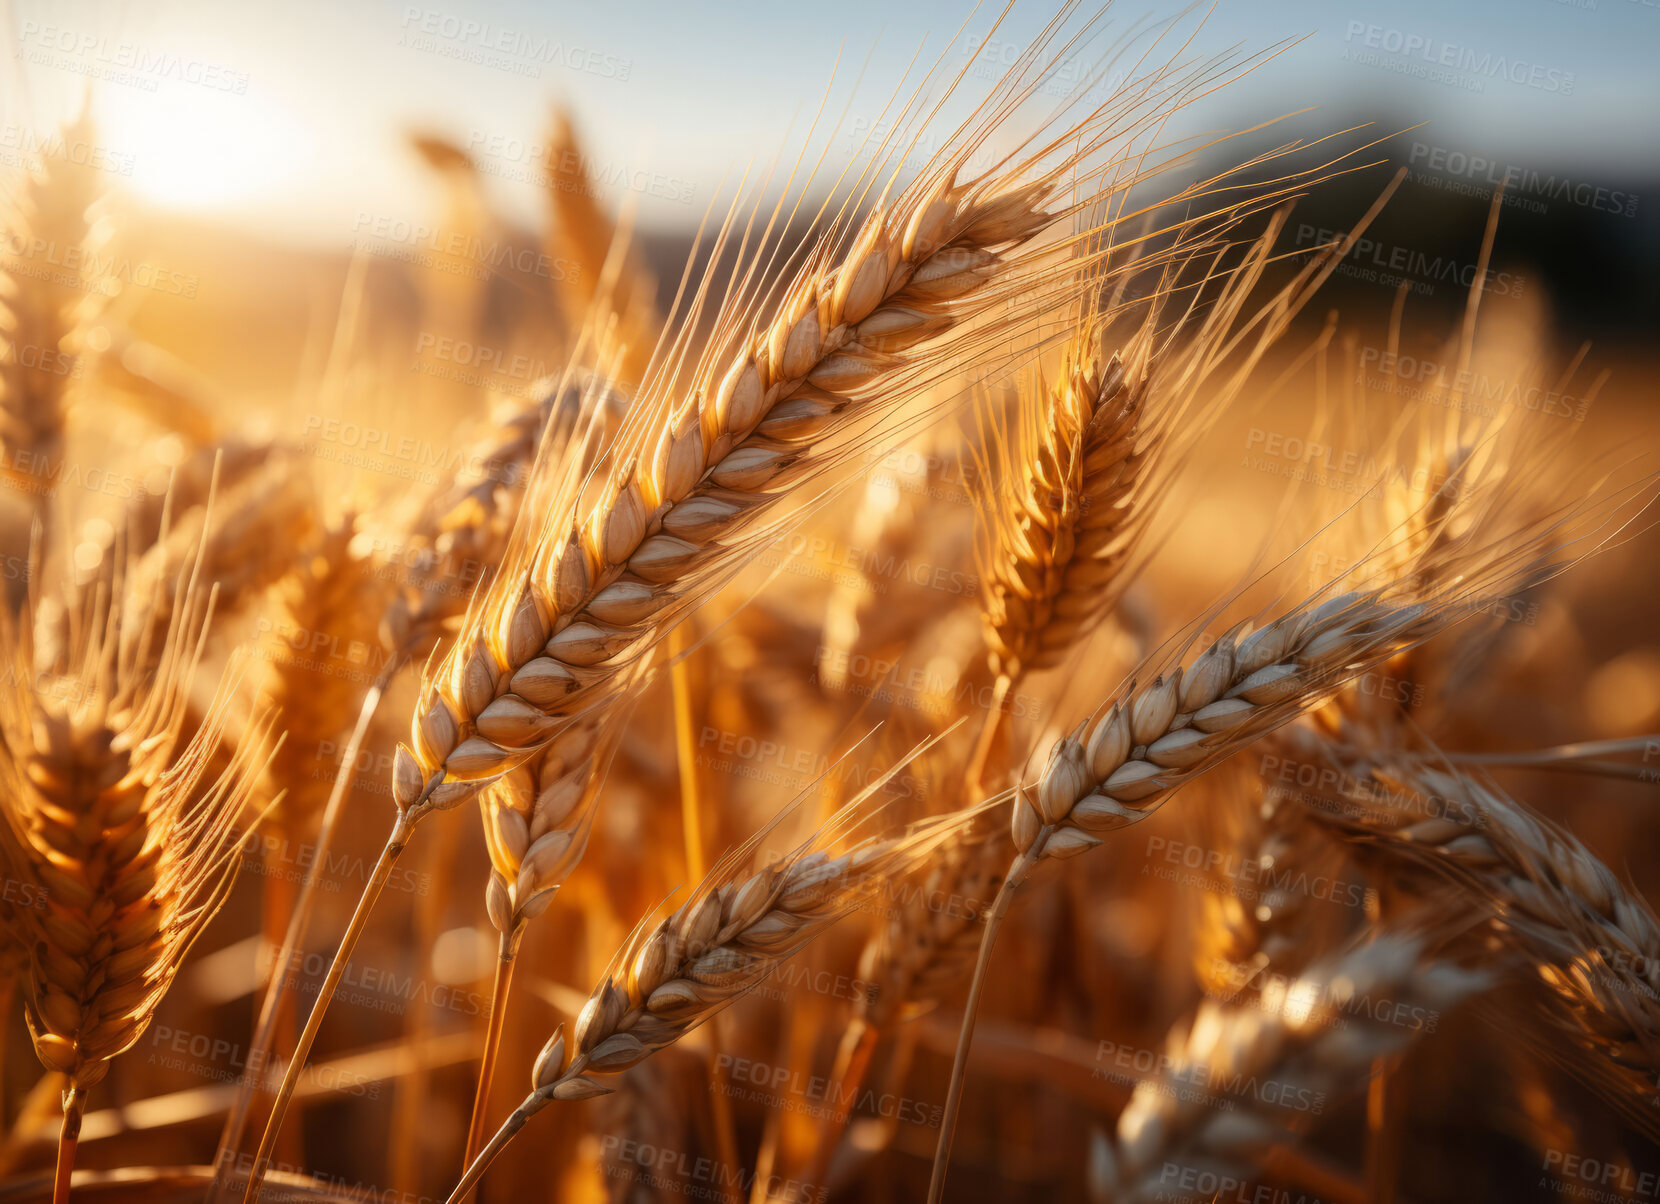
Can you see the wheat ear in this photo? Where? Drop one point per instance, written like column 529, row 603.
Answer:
column 1100, row 446
column 698, row 477
column 1307, row 1039
column 107, row 822
column 734, row 931
column 456, row 533
column 243, row 538
column 699, row 474
column 1592, row 941
column 43, row 309
column 878, row 312
column 606, row 266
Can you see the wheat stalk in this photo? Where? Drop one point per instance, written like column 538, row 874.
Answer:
column 698, row 476
column 320, row 637
column 702, row 467
column 698, row 473
column 243, row 538
column 1064, row 535
column 1239, row 1079
column 537, row 820
column 1087, row 485
column 598, row 592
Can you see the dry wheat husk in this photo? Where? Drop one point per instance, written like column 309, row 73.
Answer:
column 1592, row 942
column 1237, row 1080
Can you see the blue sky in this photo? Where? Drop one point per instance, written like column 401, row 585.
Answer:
column 291, row 116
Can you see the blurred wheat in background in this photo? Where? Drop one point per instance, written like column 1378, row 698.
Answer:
column 1045, row 645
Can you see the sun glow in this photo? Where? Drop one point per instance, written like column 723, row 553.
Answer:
column 200, row 149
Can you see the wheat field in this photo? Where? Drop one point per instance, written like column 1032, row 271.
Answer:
column 1013, row 663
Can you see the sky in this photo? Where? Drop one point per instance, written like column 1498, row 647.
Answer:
column 294, row 118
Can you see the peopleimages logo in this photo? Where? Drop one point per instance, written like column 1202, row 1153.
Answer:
column 1526, row 186
column 1440, row 61
column 1369, row 253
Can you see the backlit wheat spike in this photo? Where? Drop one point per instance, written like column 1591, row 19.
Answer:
column 733, row 932
column 582, row 238
column 703, row 470
column 458, row 533
column 49, row 288
column 1117, row 768
column 1120, row 765
column 244, row 542
column 1592, row 941
column 1064, row 534
column 1238, row 1080
column 109, row 822
column 321, row 645
column 929, row 945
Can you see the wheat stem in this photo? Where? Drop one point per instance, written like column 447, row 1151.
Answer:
column 506, row 957
column 852, row 1065
column 395, row 844
column 510, row 1127
column 265, row 1032
column 1018, row 870
column 988, row 733
column 74, row 1105
column 691, row 827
